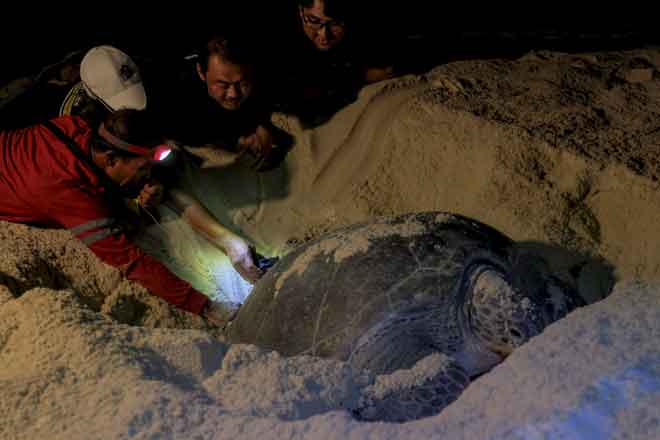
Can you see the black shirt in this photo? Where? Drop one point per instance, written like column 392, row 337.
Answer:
column 304, row 80
column 191, row 117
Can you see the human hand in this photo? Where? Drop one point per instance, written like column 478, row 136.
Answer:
column 376, row 74
column 448, row 83
column 240, row 255
column 151, row 195
column 259, row 143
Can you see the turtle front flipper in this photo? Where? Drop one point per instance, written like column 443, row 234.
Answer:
column 421, row 391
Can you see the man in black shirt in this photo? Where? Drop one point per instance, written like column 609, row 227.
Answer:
column 213, row 102
column 325, row 60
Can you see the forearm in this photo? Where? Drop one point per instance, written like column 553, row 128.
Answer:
column 201, row 219
column 215, row 155
column 237, row 250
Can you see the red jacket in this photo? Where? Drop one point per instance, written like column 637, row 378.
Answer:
column 43, row 183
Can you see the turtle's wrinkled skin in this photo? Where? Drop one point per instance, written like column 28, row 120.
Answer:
column 425, row 301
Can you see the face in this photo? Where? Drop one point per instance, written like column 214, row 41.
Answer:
column 228, row 84
column 323, row 31
column 129, row 173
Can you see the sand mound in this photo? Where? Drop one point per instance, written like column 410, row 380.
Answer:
column 558, row 151
column 54, row 259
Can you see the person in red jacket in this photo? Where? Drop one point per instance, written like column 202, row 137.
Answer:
column 64, row 174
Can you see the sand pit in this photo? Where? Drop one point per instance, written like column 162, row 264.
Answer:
column 558, row 151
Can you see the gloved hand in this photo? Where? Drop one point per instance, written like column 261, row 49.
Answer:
column 240, row 254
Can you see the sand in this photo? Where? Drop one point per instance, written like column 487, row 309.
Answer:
column 558, row 151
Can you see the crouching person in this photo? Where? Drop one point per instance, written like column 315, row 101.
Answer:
column 62, row 173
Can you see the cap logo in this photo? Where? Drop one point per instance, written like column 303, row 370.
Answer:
column 126, row 72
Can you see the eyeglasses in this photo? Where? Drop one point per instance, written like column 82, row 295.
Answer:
column 317, row 24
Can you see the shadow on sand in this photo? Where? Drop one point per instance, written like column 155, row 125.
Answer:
column 594, row 277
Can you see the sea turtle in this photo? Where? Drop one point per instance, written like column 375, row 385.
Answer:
column 425, row 301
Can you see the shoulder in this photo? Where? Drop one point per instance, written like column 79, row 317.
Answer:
column 72, row 125
column 73, row 99
column 75, row 128
column 78, row 102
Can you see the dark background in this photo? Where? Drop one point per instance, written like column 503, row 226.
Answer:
column 32, row 36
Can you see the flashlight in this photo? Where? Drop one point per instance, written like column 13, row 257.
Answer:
column 162, row 153
column 263, row 263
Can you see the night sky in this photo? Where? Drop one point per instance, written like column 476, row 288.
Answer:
column 460, row 30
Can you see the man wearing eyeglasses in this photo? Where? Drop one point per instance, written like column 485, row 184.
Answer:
column 321, row 23
column 328, row 23
column 328, row 60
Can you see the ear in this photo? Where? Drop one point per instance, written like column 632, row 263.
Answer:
column 109, row 159
column 200, row 72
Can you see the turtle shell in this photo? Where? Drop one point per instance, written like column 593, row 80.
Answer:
column 323, row 296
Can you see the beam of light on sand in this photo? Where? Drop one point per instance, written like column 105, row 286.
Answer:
column 193, row 258
column 230, row 285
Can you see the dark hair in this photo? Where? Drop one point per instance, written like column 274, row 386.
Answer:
column 231, row 50
column 133, row 126
column 335, row 9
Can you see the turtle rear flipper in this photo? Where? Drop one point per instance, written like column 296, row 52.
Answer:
column 421, row 391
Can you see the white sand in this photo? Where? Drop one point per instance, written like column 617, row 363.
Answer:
column 70, row 373
column 558, row 151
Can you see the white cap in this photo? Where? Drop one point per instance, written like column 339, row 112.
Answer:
column 113, row 77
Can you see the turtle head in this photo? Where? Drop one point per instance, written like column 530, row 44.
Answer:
column 507, row 306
